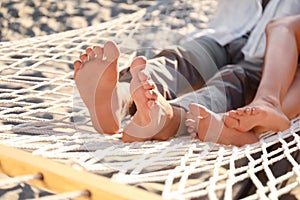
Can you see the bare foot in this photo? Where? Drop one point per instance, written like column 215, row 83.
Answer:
column 208, row 126
column 96, row 77
column 260, row 115
column 155, row 118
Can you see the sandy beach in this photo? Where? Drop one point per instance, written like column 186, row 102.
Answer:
column 30, row 18
column 21, row 19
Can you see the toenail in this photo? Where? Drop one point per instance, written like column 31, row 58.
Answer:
column 191, row 129
column 193, row 135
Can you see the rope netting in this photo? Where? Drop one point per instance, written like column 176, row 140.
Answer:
column 40, row 112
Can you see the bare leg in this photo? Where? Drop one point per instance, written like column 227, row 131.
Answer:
column 96, row 77
column 279, row 69
column 155, row 118
column 209, row 126
column 260, row 114
column 290, row 104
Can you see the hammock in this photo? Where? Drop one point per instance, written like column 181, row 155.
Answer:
column 42, row 115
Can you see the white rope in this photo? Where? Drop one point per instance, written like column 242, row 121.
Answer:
column 19, row 179
column 40, row 112
column 65, row 196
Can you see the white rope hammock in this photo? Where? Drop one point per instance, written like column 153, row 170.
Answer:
column 40, row 112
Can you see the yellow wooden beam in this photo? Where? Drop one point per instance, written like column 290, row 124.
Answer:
column 60, row 178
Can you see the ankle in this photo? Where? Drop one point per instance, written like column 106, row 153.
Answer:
column 268, row 99
column 174, row 126
column 177, row 122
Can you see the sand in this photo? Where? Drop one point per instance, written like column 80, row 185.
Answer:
column 29, row 18
column 21, row 19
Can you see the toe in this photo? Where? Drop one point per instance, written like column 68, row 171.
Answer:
column 191, row 130
column 190, row 116
column 194, row 135
column 88, row 50
column 254, row 111
column 111, row 51
column 138, row 64
column 91, row 55
column 240, row 111
column 139, row 61
column 230, row 122
column 77, row 65
column 148, row 85
column 144, row 75
column 233, row 114
column 98, row 51
column 248, row 110
column 192, row 125
column 190, row 122
column 151, row 95
column 83, row 57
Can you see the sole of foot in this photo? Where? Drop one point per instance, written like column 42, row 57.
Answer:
column 154, row 114
column 96, row 77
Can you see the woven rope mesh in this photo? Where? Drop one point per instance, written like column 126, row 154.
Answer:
column 38, row 114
